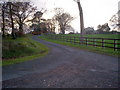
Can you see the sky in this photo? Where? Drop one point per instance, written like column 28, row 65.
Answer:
column 95, row 11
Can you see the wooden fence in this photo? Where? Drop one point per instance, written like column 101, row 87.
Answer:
column 96, row 42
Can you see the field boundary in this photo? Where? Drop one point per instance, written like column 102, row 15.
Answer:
column 88, row 41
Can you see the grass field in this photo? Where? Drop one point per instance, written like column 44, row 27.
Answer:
column 113, row 36
column 20, row 50
column 108, row 51
column 104, row 40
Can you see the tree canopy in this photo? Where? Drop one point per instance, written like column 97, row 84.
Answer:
column 17, row 14
column 64, row 19
column 103, row 28
column 115, row 21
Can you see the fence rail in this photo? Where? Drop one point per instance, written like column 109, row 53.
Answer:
column 96, row 42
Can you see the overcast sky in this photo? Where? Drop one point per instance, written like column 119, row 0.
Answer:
column 95, row 11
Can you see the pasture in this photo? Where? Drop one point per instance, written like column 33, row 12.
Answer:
column 103, row 43
column 112, row 36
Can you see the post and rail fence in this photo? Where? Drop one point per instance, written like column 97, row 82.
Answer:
column 88, row 41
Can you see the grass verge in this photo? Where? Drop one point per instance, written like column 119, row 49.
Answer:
column 21, row 50
column 100, row 50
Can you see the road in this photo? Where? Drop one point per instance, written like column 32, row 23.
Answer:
column 63, row 67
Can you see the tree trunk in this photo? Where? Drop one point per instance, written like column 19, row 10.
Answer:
column 81, row 22
column 3, row 18
column 13, row 32
column 21, row 29
column 63, row 31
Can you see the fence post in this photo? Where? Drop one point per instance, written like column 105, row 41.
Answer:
column 51, row 36
column 60, row 38
column 63, row 38
column 70, row 39
column 80, row 40
column 48, row 36
column 74, row 40
column 66, row 39
column 54, row 36
column 94, row 42
column 57, row 37
column 86, row 40
column 102, row 42
column 114, row 44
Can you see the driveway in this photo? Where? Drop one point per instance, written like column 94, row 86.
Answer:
column 63, row 67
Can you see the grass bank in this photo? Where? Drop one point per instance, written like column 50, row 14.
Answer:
column 21, row 50
column 106, row 51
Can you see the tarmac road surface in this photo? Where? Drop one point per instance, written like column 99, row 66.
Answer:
column 63, row 67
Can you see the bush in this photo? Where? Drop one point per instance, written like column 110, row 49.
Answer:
column 71, row 33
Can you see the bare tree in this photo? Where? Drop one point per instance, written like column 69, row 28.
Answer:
column 50, row 24
column 11, row 17
column 17, row 14
column 22, row 10
column 63, row 19
column 7, row 17
column 115, row 21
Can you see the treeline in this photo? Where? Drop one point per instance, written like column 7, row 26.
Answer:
column 14, row 15
column 18, row 18
column 101, row 29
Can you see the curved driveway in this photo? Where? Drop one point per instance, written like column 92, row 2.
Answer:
column 63, row 67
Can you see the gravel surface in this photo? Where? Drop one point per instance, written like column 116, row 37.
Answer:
column 63, row 67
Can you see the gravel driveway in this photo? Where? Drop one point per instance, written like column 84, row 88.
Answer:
column 63, row 67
